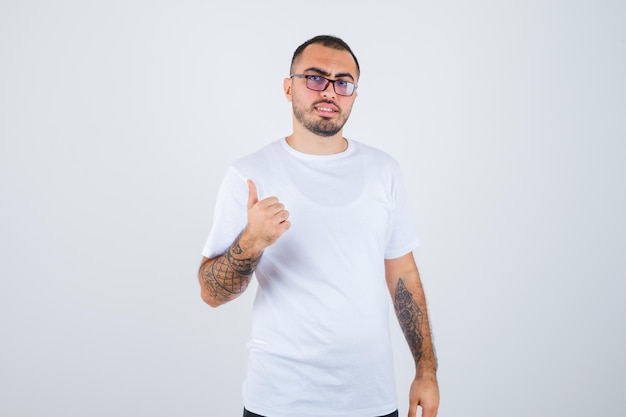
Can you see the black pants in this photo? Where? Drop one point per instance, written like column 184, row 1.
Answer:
column 247, row 413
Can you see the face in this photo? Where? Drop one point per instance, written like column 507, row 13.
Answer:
column 323, row 113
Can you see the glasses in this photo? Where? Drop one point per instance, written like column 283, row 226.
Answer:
column 319, row 83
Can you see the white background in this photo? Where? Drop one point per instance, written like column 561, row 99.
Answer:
column 119, row 118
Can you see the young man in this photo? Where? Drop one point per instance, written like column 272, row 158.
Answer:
column 325, row 225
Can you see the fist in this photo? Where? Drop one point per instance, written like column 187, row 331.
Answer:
column 267, row 220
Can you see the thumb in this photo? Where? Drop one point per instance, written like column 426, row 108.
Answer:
column 253, row 196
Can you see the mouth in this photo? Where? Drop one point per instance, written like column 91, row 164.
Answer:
column 326, row 109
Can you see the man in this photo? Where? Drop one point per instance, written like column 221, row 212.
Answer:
column 320, row 220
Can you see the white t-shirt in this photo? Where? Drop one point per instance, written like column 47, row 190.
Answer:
column 320, row 343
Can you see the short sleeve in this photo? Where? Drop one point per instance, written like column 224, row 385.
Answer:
column 230, row 214
column 402, row 235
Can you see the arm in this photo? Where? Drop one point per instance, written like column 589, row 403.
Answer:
column 225, row 277
column 409, row 303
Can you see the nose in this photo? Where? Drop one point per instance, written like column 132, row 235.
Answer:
column 329, row 91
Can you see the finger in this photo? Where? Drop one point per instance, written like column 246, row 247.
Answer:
column 277, row 208
column 429, row 411
column 253, row 196
column 282, row 215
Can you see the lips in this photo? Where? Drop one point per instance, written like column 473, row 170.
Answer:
column 326, row 108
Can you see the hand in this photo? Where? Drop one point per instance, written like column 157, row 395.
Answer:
column 267, row 221
column 424, row 393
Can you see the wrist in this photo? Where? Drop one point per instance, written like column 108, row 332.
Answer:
column 250, row 246
column 426, row 375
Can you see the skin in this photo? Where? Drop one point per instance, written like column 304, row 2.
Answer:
column 307, row 104
column 225, row 277
column 409, row 302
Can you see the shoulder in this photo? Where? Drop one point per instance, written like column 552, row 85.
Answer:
column 259, row 158
column 374, row 155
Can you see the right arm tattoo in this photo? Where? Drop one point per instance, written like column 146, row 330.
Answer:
column 228, row 275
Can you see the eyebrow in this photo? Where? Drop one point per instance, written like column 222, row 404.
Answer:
column 328, row 74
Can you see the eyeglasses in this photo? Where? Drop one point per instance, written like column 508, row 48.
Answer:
column 319, row 83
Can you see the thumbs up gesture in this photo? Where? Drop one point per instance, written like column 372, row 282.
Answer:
column 267, row 221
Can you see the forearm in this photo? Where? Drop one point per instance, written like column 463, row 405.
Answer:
column 409, row 302
column 225, row 277
column 410, row 306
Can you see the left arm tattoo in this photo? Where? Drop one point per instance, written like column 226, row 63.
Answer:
column 411, row 319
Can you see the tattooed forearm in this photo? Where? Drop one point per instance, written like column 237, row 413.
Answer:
column 228, row 275
column 411, row 320
column 241, row 266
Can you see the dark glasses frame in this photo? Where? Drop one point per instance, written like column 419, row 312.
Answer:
column 311, row 84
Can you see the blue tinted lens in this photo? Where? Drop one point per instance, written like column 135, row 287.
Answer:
column 317, row 83
column 344, row 88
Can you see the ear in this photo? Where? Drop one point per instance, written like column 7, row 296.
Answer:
column 287, row 88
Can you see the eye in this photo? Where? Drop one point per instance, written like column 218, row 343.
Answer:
column 342, row 83
column 315, row 78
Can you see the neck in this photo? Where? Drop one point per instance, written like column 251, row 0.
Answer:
column 308, row 142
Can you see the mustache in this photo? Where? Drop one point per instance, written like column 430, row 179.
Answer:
column 327, row 101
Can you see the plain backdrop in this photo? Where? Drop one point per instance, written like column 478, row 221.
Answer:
column 119, row 118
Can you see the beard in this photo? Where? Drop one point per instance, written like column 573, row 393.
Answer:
column 320, row 126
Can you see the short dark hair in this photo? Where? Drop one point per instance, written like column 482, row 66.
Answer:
column 328, row 41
